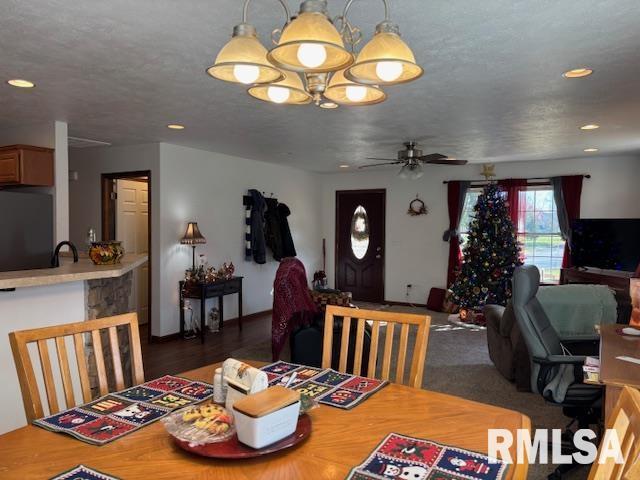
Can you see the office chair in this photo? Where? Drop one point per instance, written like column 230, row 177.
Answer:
column 549, row 353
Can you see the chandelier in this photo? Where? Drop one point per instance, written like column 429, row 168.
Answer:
column 309, row 61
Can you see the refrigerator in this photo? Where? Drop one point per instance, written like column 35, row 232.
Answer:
column 26, row 230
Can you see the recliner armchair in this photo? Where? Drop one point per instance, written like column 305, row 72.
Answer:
column 552, row 364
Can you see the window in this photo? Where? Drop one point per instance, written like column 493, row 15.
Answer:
column 538, row 230
column 539, row 233
column 360, row 233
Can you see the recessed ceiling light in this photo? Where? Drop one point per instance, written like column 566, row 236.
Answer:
column 591, row 126
column 578, row 73
column 590, row 150
column 175, row 126
column 328, row 105
column 344, row 166
column 21, row 83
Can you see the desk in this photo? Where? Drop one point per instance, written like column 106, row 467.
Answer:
column 202, row 291
column 614, row 373
column 340, row 440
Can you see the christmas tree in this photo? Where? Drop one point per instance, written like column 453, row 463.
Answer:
column 490, row 254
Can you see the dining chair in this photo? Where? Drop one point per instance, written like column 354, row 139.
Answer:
column 376, row 319
column 625, row 420
column 20, row 341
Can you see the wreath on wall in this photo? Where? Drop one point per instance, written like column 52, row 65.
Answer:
column 417, row 207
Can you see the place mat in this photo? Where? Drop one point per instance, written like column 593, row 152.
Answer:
column 327, row 386
column 401, row 457
column 83, row 473
column 117, row 414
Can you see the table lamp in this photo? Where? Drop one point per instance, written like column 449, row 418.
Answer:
column 193, row 237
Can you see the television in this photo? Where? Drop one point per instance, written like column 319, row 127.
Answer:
column 612, row 244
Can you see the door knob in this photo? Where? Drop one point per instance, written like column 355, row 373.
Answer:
column 378, row 256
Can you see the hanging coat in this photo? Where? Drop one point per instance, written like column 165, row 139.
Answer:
column 258, row 245
column 272, row 234
column 288, row 249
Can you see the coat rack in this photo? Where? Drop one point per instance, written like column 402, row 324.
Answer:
column 247, row 200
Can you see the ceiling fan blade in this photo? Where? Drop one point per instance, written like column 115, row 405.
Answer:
column 381, row 159
column 380, row 164
column 432, row 156
column 445, row 161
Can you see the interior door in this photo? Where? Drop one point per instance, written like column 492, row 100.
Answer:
column 132, row 211
column 360, row 216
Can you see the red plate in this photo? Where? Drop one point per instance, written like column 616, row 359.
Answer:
column 232, row 448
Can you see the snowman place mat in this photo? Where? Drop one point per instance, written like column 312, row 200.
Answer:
column 327, row 386
column 114, row 415
column 401, row 457
column 83, row 473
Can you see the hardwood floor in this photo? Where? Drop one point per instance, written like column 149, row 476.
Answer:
column 175, row 356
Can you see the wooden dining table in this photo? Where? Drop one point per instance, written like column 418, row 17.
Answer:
column 339, row 441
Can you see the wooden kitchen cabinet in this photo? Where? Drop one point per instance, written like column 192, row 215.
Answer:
column 25, row 165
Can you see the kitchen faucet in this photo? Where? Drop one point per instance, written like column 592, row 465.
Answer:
column 55, row 260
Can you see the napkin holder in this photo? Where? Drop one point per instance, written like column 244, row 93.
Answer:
column 242, row 380
column 267, row 417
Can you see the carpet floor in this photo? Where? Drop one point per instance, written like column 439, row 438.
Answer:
column 458, row 364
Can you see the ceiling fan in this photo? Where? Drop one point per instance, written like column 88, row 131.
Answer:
column 412, row 159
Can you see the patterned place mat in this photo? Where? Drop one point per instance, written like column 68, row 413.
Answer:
column 401, row 457
column 83, row 473
column 117, row 414
column 329, row 387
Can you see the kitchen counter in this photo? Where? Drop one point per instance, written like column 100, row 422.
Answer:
column 70, row 272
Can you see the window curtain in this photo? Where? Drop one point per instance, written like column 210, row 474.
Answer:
column 513, row 186
column 456, row 194
column 567, row 192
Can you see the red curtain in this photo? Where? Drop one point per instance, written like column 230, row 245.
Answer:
column 513, row 186
column 571, row 193
column 454, row 203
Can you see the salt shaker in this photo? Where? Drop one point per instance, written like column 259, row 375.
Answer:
column 218, row 393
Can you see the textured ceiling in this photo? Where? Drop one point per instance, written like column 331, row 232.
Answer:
column 120, row 70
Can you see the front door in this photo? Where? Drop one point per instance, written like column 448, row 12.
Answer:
column 360, row 216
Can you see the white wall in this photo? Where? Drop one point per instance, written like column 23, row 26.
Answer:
column 85, row 196
column 207, row 187
column 195, row 185
column 26, row 308
column 415, row 252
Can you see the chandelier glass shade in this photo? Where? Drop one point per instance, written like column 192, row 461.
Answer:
column 289, row 91
column 411, row 171
column 310, row 61
column 244, row 60
column 385, row 60
column 345, row 92
column 310, row 44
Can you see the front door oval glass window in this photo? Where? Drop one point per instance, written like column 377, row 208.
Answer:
column 359, row 232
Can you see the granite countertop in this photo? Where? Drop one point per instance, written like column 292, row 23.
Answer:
column 70, row 272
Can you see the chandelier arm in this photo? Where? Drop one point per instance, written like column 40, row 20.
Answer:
column 350, row 2
column 245, row 10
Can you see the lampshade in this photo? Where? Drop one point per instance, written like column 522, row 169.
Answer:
column 192, row 236
column 385, row 60
column 345, row 92
column 289, row 91
column 244, row 59
column 411, row 171
column 311, row 43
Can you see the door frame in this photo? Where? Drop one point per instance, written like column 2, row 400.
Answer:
column 336, row 255
column 108, row 221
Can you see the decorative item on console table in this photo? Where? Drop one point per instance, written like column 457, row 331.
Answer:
column 106, row 253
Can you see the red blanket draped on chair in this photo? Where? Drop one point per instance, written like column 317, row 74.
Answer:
column 292, row 303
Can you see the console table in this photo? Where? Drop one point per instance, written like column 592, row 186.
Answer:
column 619, row 282
column 202, row 291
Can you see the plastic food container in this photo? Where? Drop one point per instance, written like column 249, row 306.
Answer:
column 266, row 417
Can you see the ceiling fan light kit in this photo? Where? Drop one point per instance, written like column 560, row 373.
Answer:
column 314, row 59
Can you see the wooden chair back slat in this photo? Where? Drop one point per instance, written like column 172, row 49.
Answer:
column 115, row 357
column 388, row 347
column 344, row 343
column 375, row 318
column 47, row 373
column 81, row 360
column 373, row 351
column 625, row 420
column 402, row 353
column 20, row 341
column 357, row 358
column 65, row 372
